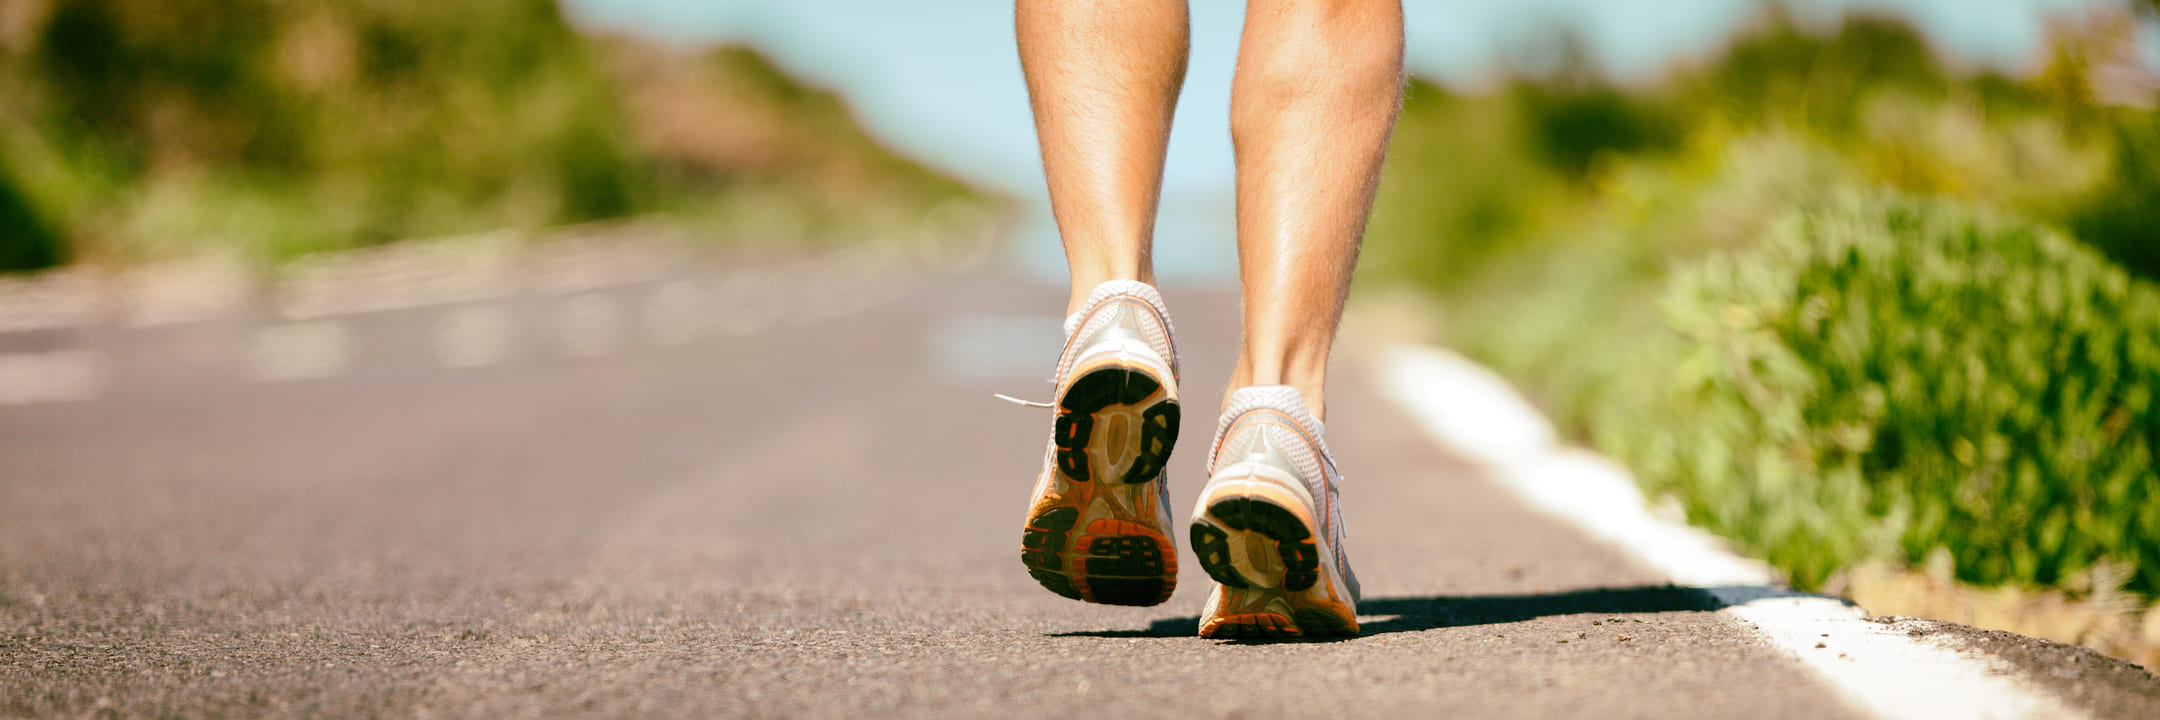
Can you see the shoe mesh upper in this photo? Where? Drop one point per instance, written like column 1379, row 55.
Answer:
column 1157, row 336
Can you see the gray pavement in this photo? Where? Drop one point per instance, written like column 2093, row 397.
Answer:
column 810, row 515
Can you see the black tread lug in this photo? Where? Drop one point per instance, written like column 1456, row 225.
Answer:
column 1213, row 547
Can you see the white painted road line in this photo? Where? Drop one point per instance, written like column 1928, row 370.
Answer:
column 745, row 305
column 473, row 336
column 300, row 351
column 674, row 313
column 181, row 291
column 589, row 325
column 59, row 376
column 410, row 274
column 1473, row 412
column 55, row 299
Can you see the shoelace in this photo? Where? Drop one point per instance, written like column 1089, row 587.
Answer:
column 1029, row 403
column 1018, row 401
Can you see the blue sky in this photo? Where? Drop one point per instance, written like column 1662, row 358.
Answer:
column 938, row 79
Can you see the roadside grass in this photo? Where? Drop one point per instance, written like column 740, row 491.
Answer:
column 1820, row 294
column 2093, row 611
column 1882, row 378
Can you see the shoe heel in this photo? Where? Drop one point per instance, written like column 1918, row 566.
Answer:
column 1126, row 557
column 1101, row 389
column 1124, row 563
column 1264, row 556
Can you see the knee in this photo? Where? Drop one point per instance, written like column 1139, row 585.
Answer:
column 1341, row 40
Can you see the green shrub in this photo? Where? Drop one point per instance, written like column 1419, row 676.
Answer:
column 1896, row 377
column 1681, row 275
column 2122, row 216
column 25, row 241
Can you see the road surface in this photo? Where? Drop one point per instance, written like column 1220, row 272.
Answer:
column 785, row 492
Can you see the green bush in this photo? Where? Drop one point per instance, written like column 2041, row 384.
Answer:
column 1897, row 377
column 1683, row 275
column 25, row 242
column 2122, row 217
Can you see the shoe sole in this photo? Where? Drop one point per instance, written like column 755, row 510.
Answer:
column 1121, row 556
column 1258, row 542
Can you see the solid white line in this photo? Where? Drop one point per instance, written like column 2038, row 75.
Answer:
column 589, row 325
column 1474, row 413
column 300, row 351
column 474, row 336
column 674, row 313
column 57, row 376
column 62, row 298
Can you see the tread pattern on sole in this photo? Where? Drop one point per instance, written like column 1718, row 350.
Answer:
column 1293, row 541
column 1158, row 433
column 1042, row 548
column 1114, row 562
column 1102, row 388
column 1137, row 569
column 1301, row 570
column 1213, row 547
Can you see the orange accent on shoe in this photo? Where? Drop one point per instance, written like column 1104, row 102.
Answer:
column 1250, row 625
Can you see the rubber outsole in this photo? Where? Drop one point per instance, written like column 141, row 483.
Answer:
column 1275, row 604
column 1124, row 560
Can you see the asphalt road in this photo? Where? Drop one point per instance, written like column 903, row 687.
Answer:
column 800, row 501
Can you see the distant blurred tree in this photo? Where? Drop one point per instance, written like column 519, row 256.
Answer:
column 1575, row 125
column 155, row 127
column 2122, row 218
column 1782, row 74
column 25, row 242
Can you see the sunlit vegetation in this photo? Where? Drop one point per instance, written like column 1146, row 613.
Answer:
column 1841, row 302
column 143, row 129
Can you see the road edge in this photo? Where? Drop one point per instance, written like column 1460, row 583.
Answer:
column 1473, row 413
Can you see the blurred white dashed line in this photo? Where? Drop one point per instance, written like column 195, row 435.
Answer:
column 590, row 325
column 743, row 305
column 410, row 274
column 181, row 292
column 300, row 351
column 53, row 299
column 473, row 336
column 674, row 313
column 59, row 376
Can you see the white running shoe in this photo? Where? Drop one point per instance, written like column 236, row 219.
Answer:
column 1269, row 527
column 1097, row 529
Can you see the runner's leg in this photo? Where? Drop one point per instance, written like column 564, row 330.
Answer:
column 1103, row 76
column 1103, row 79
column 1317, row 89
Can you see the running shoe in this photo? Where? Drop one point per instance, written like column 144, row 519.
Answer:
column 1097, row 529
column 1269, row 527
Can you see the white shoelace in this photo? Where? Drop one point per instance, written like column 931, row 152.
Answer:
column 1071, row 323
column 1018, row 401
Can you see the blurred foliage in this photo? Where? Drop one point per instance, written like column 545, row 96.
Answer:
column 2122, row 217
column 1818, row 290
column 147, row 128
column 29, row 245
column 1908, row 375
